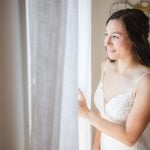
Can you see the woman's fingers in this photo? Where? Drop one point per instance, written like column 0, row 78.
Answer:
column 83, row 109
column 81, row 103
column 81, row 95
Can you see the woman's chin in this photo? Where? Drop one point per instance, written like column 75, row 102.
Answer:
column 111, row 57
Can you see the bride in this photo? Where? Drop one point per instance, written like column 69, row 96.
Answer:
column 123, row 94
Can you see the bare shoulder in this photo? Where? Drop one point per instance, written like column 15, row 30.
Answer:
column 144, row 83
column 143, row 91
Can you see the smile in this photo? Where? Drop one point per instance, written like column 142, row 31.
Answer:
column 111, row 50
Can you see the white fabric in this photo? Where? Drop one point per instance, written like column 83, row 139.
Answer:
column 84, row 68
column 54, row 48
column 117, row 110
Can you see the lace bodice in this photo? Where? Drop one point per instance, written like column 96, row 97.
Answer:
column 117, row 110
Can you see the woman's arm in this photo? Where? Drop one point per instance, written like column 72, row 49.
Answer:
column 97, row 136
column 136, row 122
column 96, row 141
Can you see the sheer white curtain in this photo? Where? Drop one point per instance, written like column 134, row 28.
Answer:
column 84, row 68
column 52, row 75
column 53, row 27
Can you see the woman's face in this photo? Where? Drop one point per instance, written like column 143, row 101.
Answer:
column 117, row 42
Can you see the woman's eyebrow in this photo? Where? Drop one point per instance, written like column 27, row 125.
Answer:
column 114, row 33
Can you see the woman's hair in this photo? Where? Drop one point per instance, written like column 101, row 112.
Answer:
column 137, row 26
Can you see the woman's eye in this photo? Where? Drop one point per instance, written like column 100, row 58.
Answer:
column 115, row 37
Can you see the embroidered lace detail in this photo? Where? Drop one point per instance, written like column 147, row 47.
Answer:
column 118, row 108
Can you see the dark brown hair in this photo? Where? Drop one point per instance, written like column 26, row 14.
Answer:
column 137, row 25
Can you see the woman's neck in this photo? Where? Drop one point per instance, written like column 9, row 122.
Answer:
column 126, row 66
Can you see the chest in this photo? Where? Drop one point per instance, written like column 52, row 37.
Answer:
column 115, row 84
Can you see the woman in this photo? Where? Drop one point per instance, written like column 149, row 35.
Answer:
column 123, row 94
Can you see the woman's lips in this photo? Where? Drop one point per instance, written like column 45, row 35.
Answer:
column 111, row 50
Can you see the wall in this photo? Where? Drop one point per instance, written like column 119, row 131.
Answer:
column 12, row 48
column 100, row 13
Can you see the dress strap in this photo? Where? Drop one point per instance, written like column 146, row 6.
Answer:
column 103, row 71
column 141, row 77
column 138, row 81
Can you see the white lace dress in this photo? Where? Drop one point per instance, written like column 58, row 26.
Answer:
column 116, row 110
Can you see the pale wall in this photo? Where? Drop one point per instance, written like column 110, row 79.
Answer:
column 100, row 13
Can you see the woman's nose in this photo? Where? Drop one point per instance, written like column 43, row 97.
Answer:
column 108, row 41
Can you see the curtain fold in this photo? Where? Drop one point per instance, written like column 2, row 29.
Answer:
column 84, row 69
column 53, row 51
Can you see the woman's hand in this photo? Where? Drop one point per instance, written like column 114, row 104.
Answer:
column 83, row 109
